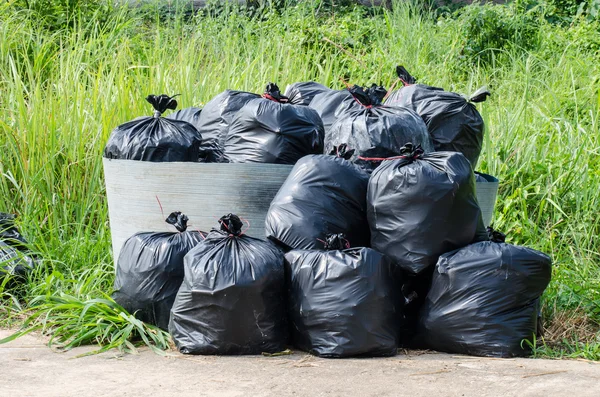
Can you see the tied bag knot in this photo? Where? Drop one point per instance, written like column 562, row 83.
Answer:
column 161, row 103
column 273, row 93
column 178, row 220
column 231, row 224
column 336, row 242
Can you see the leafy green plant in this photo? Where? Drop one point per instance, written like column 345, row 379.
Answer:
column 60, row 14
column 73, row 322
column 487, row 31
column 590, row 10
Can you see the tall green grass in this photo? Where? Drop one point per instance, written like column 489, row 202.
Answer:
column 62, row 92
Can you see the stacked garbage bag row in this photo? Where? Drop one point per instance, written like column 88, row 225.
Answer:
column 235, row 126
column 376, row 239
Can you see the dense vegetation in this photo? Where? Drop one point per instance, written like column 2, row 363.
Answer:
column 71, row 73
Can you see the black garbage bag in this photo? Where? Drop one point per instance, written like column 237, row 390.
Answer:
column 377, row 132
column 484, row 299
column 333, row 105
column 269, row 130
column 303, row 93
column 15, row 257
column 479, row 178
column 216, row 118
column 452, row 120
column 155, row 138
column 324, row 194
column 413, row 291
column 191, row 115
column 150, row 270
column 232, row 299
column 369, row 96
column 343, row 302
column 422, row 205
column 9, row 232
column 210, row 151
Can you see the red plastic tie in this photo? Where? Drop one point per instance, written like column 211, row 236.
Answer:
column 387, row 94
column 345, row 82
column 271, row 98
column 161, row 207
column 360, row 103
column 416, row 156
column 381, row 158
column 224, row 224
column 247, row 228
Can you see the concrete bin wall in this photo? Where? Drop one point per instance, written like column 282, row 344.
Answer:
column 136, row 191
column 204, row 192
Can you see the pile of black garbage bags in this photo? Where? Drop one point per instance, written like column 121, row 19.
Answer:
column 234, row 127
column 374, row 241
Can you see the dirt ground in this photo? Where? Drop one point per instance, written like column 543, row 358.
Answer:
column 29, row 368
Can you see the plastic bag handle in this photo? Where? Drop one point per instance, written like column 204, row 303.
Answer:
column 480, row 95
column 342, row 151
column 405, row 77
